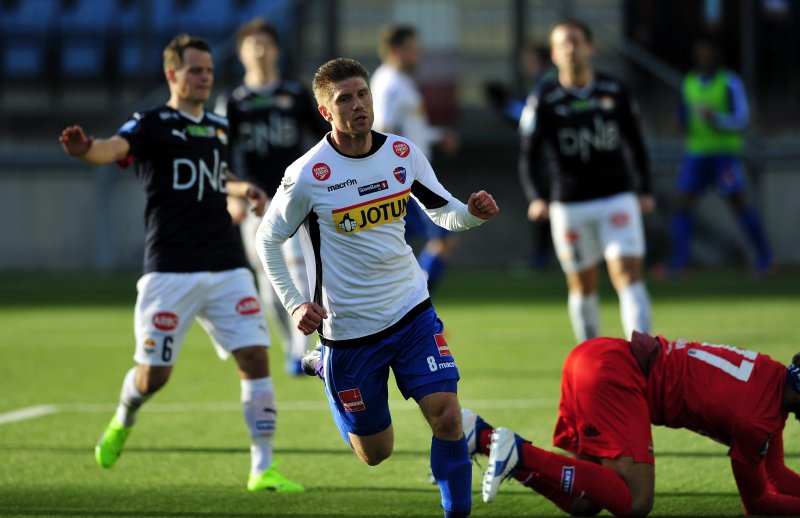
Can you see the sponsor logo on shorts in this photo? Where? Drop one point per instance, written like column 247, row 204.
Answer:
column 165, row 321
column 321, row 171
column 149, row 346
column 248, row 306
column 620, row 219
column 571, row 236
column 400, row 174
column 373, row 187
column 567, row 478
column 370, row 214
column 401, row 149
column 351, row 400
column 447, row 365
column 444, row 349
column 347, row 183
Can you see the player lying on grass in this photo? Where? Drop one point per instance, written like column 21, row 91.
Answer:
column 611, row 392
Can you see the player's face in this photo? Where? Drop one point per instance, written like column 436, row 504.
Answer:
column 410, row 54
column 259, row 51
column 192, row 82
column 570, row 50
column 350, row 108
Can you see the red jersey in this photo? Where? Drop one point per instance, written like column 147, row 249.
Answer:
column 729, row 394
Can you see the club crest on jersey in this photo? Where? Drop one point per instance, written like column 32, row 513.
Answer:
column 222, row 137
column 620, row 219
column 401, row 149
column 441, row 343
column 149, row 346
column 370, row 214
column 165, row 321
column 400, row 174
column 351, row 400
column 248, row 306
column 321, row 171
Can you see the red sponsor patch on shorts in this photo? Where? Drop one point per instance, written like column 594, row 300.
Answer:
column 248, row 306
column 351, row 400
column 620, row 219
column 321, row 171
column 571, row 236
column 165, row 321
column 401, row 149
column 441, row 343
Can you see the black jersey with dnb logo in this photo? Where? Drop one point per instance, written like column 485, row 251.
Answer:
column 181, row 164
column 267, row 129
column 586, row 130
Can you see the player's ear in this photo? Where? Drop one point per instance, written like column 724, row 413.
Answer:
column 169, row 73
column 325, row 113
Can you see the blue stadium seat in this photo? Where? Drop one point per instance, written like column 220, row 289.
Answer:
column 84, row 37
column 25, row 27
column 210, row 19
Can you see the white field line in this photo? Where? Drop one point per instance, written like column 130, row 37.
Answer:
column 33, row 412
column 30, row 412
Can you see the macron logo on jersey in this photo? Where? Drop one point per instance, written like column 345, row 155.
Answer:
column 371, row 214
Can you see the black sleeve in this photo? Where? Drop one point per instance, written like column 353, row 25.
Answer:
column 530, row 170
column 632, row 133
column 134, row 131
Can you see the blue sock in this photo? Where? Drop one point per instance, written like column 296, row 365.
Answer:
column 753, row 230
column 682, row 229
column 452, row 470
column 434, row 266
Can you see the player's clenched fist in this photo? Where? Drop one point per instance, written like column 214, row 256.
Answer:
column 308, row 317
column 482, row 205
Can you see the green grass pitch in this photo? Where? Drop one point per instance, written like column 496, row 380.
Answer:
column 65, row 343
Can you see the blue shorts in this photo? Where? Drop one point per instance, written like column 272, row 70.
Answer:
column 698, row 172
column 356, row 378
column 420, row 226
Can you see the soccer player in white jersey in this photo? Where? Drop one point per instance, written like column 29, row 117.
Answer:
column 370, row 304
column 193, row 268
column 399, row 109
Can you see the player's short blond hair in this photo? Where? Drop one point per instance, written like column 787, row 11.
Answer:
column 332, row 72
column 173, row 52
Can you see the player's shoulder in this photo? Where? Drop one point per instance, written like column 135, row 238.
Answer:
column 217, row 119
column 608, row 84
column 148, row 116
column 548, row 93
column 316, row 157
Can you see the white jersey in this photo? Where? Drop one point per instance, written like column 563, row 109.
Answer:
column 399, row 109
column 350, row 212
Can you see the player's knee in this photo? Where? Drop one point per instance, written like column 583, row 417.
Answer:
column 641, row 506
column 446, row 424
column 152, row 379
column 375, row 456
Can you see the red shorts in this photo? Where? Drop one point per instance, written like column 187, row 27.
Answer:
column 603, row 411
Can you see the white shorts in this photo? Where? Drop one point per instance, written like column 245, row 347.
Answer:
column 586, row 231
column 225, row 303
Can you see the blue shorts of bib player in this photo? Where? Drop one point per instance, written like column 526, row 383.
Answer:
column 356, row 377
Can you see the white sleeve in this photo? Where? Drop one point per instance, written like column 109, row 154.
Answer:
column 287, row 211
column 443, row 209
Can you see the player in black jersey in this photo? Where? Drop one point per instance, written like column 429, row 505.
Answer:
column 269, row 117
column 192, row 266
column 586, row 120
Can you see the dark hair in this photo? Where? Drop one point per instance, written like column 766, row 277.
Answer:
column 256, row 26
column 331, row 73
column 173, row 52
column 394, row 36
column 575, row 24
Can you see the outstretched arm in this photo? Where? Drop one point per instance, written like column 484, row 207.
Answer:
column 93, row 151
column 756, row 496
